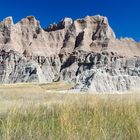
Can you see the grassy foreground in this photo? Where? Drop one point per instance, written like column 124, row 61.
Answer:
column 40, row 112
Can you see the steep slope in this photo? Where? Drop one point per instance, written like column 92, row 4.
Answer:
column 84, row 51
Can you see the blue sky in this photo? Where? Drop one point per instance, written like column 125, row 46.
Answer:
column 123, row 15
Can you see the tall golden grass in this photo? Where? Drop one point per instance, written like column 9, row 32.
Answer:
column 32, row 112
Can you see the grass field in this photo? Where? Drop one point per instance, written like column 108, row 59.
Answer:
column 42, row 112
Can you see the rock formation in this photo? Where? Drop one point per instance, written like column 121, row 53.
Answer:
column 85, row 51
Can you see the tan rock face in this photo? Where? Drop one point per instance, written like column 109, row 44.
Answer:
column 85, row 51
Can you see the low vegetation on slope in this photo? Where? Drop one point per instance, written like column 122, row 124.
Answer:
column 41, row 112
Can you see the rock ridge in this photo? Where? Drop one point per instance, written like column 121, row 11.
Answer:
column 83, row 51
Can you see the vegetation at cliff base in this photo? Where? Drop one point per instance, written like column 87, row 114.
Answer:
column 38, row 114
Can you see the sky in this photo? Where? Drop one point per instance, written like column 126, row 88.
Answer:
column 123, row 15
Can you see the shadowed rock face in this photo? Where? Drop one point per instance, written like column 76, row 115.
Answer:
column 84, row 51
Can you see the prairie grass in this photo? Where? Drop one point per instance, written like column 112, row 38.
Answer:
column 32, row 112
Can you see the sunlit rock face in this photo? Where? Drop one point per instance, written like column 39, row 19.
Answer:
column 85, row 52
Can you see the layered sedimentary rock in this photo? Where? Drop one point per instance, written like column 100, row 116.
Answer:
column 85, row 52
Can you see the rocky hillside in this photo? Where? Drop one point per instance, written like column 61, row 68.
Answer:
column 84, row 51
